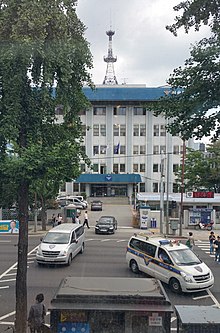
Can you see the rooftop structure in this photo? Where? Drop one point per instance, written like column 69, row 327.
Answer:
column 110, row 77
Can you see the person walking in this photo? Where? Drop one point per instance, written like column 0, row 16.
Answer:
column 216, row 246
column 53, row 219
column 190, row 241
column 59, row 219
column 86, row 220
column 212, row 238
column 36, row 315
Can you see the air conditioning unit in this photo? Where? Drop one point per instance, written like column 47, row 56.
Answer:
column 189, row 194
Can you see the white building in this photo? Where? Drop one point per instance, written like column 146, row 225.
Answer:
column 127, row 145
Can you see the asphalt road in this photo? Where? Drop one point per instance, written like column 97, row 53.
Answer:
column 104, row 256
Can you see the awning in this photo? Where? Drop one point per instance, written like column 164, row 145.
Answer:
column 109, row 178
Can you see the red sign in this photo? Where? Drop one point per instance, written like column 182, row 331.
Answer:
column 203, row 194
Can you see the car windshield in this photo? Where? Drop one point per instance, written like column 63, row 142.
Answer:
column 184, row 257
column 103, row 221
column 56, row 238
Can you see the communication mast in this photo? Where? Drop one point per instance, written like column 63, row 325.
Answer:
column 110, row 77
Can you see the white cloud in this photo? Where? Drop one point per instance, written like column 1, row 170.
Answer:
column 146, row 52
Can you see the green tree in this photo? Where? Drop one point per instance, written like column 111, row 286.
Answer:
column 201, row 170
column 42, row 46
column 195, row 86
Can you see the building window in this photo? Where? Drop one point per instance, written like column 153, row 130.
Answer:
column 59, row 110
column 120, row 111
column 175, row 167
column 142, row 130
column 95, row 130
column 139, row 111
column 103, row 130
column 83, row 126
column 142, row 187
column 135, row 150
column 122, row 167
column 142, row 167
column 162, row 149
column 162, row 130
column 83, row 167
column 76, row 187
column 176, row 150
column 136, row 130
column 115, row 168
column 116, row 129
column 156, row 150
column 82, row 112
column 103, row 149
column 155, row 187
column 142, row 150
column 95, row 168
column 122, row 130
column 135, row 167
column 155, row 168
column 175, row 188
column 95, row 150
column 122, row 150
column 156, row 130
column 99, row 111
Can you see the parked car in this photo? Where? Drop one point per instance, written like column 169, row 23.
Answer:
column 106, row 225
column 96, row 205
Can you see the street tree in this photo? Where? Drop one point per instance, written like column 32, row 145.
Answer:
column 201, row 169
column 192, row 105
column 44, row 62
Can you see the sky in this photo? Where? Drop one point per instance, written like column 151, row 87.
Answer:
column 146, row 52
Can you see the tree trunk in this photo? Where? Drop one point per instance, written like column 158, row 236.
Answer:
column 43, row 214
column 21, row 279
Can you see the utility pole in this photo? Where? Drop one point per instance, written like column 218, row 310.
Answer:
column 167, row 198
column 162, row 194
column 182, row 187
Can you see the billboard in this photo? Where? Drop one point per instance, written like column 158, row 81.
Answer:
column 9, row 226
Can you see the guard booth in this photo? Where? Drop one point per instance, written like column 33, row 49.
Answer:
column 110, row 305
column 144, row 216
column 197, row 319
column 68, row 212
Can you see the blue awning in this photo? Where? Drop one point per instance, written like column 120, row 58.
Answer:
column 109, row 178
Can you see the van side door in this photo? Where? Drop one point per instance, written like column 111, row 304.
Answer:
column 164, row 266
column 79, row 232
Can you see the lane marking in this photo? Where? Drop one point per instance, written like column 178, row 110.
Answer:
column 121, row 240
column 9, row 280
column 214, row 299
column 5, row 241
column 5, row 287
column 7, row 315
column 11, row 274
column 200, row 297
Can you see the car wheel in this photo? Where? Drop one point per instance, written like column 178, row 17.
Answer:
column 175, row 286
column 96, row 232
column 82, row 248
column 69, row 260
column 134, row 267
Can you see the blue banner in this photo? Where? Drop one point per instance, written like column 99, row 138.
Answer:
column 9, row 226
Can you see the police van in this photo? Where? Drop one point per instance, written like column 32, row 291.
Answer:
column 169, row 261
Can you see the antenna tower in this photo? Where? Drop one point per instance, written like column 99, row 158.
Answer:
column 110, row 77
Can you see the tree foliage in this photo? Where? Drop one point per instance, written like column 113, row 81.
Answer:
column 201, row 170
column 42, row 46
column 193, row 101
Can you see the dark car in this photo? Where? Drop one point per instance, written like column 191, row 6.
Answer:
column 106, row 225
column 96, row 205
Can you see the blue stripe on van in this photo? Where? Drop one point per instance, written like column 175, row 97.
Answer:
column 148, row 259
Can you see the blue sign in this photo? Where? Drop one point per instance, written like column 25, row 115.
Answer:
column 108, row 177
column 9, row 226
column 73, row 327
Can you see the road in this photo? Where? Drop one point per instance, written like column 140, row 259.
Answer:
column 104, row 256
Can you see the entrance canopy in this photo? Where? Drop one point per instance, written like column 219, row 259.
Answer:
column 88, row 178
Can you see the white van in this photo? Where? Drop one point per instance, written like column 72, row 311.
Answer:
column 169, row 261
column 61, row 244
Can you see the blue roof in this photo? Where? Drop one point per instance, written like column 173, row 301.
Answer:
column 124, row 93
column 109, row 178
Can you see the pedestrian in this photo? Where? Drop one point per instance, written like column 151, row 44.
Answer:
column 216, row 246
column 86, row 220
column 190, row 241
column 77, row 220
column 73, row 217
column 211, row 241
column 59, row 219
column 36, row 315
column 53, row 219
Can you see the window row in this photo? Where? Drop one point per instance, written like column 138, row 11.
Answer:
column 102, row 149
column 117, row 111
